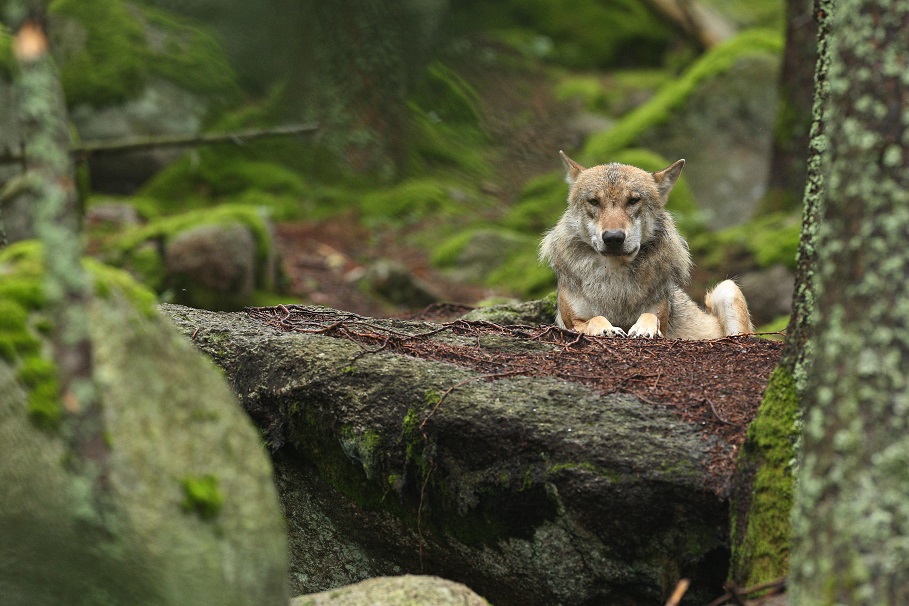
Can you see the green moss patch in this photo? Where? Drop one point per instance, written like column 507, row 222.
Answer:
column 659, row 109
column 768, row 240
column 6, row 53
column 579, row 35
column 131, row 242
column 761, row 515
column 110, row 60
column 202, row 495
column 23, row 323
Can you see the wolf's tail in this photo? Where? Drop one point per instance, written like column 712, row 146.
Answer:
column 727, row 303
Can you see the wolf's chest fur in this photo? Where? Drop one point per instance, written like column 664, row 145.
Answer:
column 602, row 286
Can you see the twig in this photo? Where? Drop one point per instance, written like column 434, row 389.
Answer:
column 461, row 384
column 679, row 593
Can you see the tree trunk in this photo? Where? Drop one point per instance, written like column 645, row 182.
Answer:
column 49, row 179
column 850, row 519
column 762, row 496
column 788, row 168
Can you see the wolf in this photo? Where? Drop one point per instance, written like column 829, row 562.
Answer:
column 621, row 264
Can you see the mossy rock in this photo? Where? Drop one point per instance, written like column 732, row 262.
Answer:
column 149, row 253
column 530, row 313
column 659, row 109
column 407, row 590
column 109, row 49
column 186, row 511
column 764, row 486
column 586, row 35
column 212, row 176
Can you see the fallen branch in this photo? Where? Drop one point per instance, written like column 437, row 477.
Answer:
column 119, row 146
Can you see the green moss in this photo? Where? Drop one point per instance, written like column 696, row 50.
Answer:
column 769, row 240
column 577, row 34
column 208, row 176
column 188, row 55
column 659, row 109
column 446, row 128
column 107, row 69
column 7, row 63
column 110, row 280
column 610, row 96
column 202, row 495
column 22, row 324
column 168, row 227
column 113, row 60
column 760, row 527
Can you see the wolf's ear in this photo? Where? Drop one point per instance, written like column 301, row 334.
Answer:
column 667, row 177
column 572, row 168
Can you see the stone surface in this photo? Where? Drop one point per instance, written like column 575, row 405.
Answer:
column 170, row 422
column 529, row 491
column 407, row 590
column 218, row 258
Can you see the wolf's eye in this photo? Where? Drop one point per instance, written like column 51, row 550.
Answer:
column 593, row 201
column 634, row 198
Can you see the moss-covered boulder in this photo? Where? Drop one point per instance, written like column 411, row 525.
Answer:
column 183, row 510
column 406, row 590
column 528, row 490
column 131, row 70
column 718, row 115
column 213, row 259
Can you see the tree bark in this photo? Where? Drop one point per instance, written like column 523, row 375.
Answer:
column 850, row 518
column 788, row 169
column 763, row 493
column 49, row 176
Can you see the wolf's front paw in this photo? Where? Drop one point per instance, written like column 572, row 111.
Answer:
column 647, row 326
column 600, row 326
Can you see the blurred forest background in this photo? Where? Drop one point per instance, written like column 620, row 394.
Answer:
column 433, row 170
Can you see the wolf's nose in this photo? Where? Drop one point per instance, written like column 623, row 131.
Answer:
column 613, row 238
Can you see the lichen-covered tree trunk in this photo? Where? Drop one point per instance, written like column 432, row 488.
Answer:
column 49, row 179
column 851, row 516
column 762, row 495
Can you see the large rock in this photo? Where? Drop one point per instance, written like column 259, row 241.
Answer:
column 528, row 490
column 407, row 590
column 177, row 506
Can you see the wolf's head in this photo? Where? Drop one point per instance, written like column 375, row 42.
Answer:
column 616, row 207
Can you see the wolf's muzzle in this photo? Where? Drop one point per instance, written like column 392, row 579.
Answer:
column 614, row 239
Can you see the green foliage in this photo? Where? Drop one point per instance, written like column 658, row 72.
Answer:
column 6, row 53
column 610, row 96
column 445, row 123
column 208, row 176
column 575, row 34
column 108, row 68
column 189, row 55
column 123, row 46
column 659, row 109
column 769, row 240
column 202, row 495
